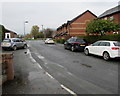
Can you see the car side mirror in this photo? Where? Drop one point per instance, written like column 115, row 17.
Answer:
column 91, row 45
column 65, row 43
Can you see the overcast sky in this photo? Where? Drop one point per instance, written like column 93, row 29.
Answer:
column 49, row 14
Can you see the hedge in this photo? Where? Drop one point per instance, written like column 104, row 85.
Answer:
column 60, row 41
column 93, row 38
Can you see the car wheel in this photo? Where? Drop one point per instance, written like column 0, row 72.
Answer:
column 106, row 56
column 72, row 48
column 86, row 51
column 14, row 48
column 65, row 47
column 25, row 46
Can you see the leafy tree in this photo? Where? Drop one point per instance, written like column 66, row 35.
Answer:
column 40, row 35
column 35, row 31
column 100, row 26
column 49, row 32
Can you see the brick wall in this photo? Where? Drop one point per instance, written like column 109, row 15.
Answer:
column 78, row 27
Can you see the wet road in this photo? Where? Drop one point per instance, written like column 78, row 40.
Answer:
column 30, row 78
column 79, row 73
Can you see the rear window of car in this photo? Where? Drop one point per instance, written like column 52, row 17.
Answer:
column 6, row 40
column 117, row 44
column 81, row 40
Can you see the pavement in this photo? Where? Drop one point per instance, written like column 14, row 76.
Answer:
column 30, row 78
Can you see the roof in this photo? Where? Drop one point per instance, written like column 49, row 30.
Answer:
column 106, row 41
column 6, row 30
column 69, row 22
column 81, row 15
column 110, row 11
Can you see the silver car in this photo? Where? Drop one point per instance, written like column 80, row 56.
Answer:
column 13, row 43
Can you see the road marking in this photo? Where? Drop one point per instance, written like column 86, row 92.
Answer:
column 39, row 66
column 60, row 65
column 69, row 73
column 41, row 57
column 33, row 60
column 70, row 91
column 49, row 75
column 28, row 45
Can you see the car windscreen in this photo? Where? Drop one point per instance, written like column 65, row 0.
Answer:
column 50, row 39
column 117, row 44
column 80, row 40
column 6, row 40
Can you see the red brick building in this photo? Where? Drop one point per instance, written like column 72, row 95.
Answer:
column 112, row 14
column 76, row 26
column 10, row 34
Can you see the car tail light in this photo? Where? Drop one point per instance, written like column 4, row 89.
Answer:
column 76, row 42
column 115, row 48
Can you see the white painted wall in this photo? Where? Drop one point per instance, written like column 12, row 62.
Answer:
column 7, row 35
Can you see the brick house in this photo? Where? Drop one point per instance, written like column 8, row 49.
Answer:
column 5, row 33
column 10, row 34
column 112, row 14
column 76, row 26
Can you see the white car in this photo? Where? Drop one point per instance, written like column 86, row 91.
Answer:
column 49, row 41
column 107, row 49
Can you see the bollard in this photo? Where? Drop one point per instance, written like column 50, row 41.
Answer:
column 8, row 59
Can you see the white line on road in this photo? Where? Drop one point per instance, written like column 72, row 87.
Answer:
column 60, row 65
column 33, row 60
column 70, row 91
column 39, row 66
column 40, row 57
column 69, row 73
column 49, row 75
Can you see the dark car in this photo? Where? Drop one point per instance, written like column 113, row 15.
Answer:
column 75, row 43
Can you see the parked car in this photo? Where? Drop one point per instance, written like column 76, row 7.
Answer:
column 107, row 49
column 13, row 43
column 75, row 43
column 49, row 41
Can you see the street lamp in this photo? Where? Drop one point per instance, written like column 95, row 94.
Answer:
column 43, row 31
column 25, row 22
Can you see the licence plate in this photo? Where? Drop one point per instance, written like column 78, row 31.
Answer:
column 5, row 44
column 82, row 45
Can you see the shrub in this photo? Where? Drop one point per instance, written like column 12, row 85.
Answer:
column 60, row 41
column 94, row 38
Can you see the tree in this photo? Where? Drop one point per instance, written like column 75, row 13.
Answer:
column 49, row 32
column 40, row 35
column 35, row 31
column 99, row 26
